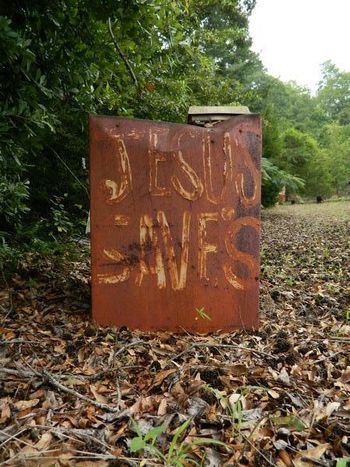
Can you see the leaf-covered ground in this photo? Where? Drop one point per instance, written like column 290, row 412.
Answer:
column 72, row 393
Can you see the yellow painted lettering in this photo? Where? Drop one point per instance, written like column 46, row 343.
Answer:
column 119, row 191
column 177, row 279
column 197, row 191
column 249, row 261
column 154, row 158
column 149, row 244
column 205, row 248
column 117, row 257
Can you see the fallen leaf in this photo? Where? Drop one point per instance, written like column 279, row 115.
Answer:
column 313, row 453
column 5, row 411
column 23, row 405
column 44, row 442
column 345, row 377
column 162, row 408
column 274, row 394
column 284, row 377
column 99, row 397
column 162, row 375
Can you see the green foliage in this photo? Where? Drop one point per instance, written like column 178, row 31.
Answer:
column 318, row 176
column 337, row 154
column 272, row 144
column 290, row 421
column 234, row 404
column 61, row 222
column 147, row 441
column 305, row 135
column 334, row 94
column 345, row 462
column 287, row 103
column 298, row 149
column 234, row 407
column 179, row 450
column 13, row 198
column 274, row 179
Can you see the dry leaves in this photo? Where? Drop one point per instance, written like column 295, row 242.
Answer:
column 71, row 392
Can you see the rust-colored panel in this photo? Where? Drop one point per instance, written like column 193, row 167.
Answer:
column 175, row 223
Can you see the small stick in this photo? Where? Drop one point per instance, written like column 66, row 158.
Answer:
column 102, row 373
column 13, row 341
column 89, row 455
column 122, row 55
column 257, row 450
column 341, row 339
column 12, row 371
column 324, row 358
column 74, row 431
column 77, row 394
column 233, row 346
column 58, row 385
column 11, row 437
column 246, row 442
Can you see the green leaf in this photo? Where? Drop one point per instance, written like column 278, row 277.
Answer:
column 208, row 441
column 137, row 444
column 202, row 313
column 343, row 462
column 182, row 428
column 154, row 433
column 291, row 421
column 136, row 428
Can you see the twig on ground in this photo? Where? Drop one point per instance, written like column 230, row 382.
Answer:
column 11, row 437
column 234, row 346
column 133, row 461
column 19, row 440
column 13, row 341
column 340, row 339
column 108, row 371
column 257, row 450
column 243, row 451
column 218, row 345
column 324, row 358
column 19, row 372
column 53, row 381
column 77, row 394
column 82, row 433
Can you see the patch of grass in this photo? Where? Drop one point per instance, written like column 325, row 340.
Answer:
column 179, row 450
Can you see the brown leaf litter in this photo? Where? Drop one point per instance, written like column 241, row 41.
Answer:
column 72, row 393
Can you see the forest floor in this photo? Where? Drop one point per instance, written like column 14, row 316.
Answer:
column 72, row 393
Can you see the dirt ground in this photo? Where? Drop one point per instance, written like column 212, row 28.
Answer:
column 72, row 393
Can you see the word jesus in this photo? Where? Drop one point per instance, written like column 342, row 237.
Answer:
column 193, row 185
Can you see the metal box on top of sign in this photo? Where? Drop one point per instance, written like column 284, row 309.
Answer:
column 175, row 223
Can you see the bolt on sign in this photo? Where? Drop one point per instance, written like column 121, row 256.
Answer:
column 175, row 223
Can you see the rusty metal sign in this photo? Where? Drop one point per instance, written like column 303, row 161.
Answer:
column 175, row 223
